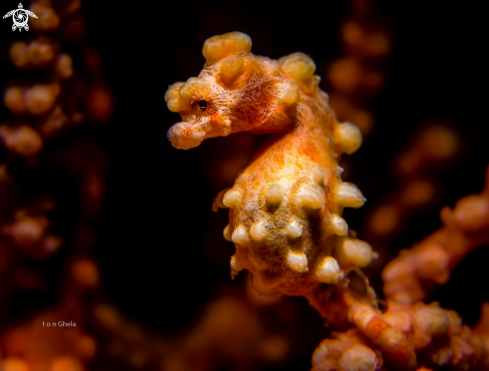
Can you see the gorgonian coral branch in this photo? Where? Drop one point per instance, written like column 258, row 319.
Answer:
column 410, row 276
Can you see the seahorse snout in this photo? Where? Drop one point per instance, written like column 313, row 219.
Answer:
column 185, row 135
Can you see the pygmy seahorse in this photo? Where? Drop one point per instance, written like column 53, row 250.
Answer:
column 286, row 204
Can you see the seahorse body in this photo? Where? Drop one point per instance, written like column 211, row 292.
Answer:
column 286, row 204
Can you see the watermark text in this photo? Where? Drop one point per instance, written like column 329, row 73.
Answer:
column 59, row 324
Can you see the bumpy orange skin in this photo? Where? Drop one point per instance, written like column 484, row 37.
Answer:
column 286, row 204
column 285, row 211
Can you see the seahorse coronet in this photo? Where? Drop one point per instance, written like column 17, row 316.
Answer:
column 230, row 69
column 218, row 47
column 286, row 203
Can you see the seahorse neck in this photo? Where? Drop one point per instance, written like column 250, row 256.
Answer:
column 315, row 115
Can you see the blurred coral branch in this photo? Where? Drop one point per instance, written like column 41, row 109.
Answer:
column 47, row 97
column 411, row 277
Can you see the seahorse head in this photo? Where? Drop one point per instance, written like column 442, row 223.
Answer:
column 238, row 91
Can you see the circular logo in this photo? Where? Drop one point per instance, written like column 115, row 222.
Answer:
column 20, row 17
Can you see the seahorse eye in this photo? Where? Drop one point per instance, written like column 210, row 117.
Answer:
column 202, row 104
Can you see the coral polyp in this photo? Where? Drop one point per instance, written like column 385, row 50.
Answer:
column 286, row 204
